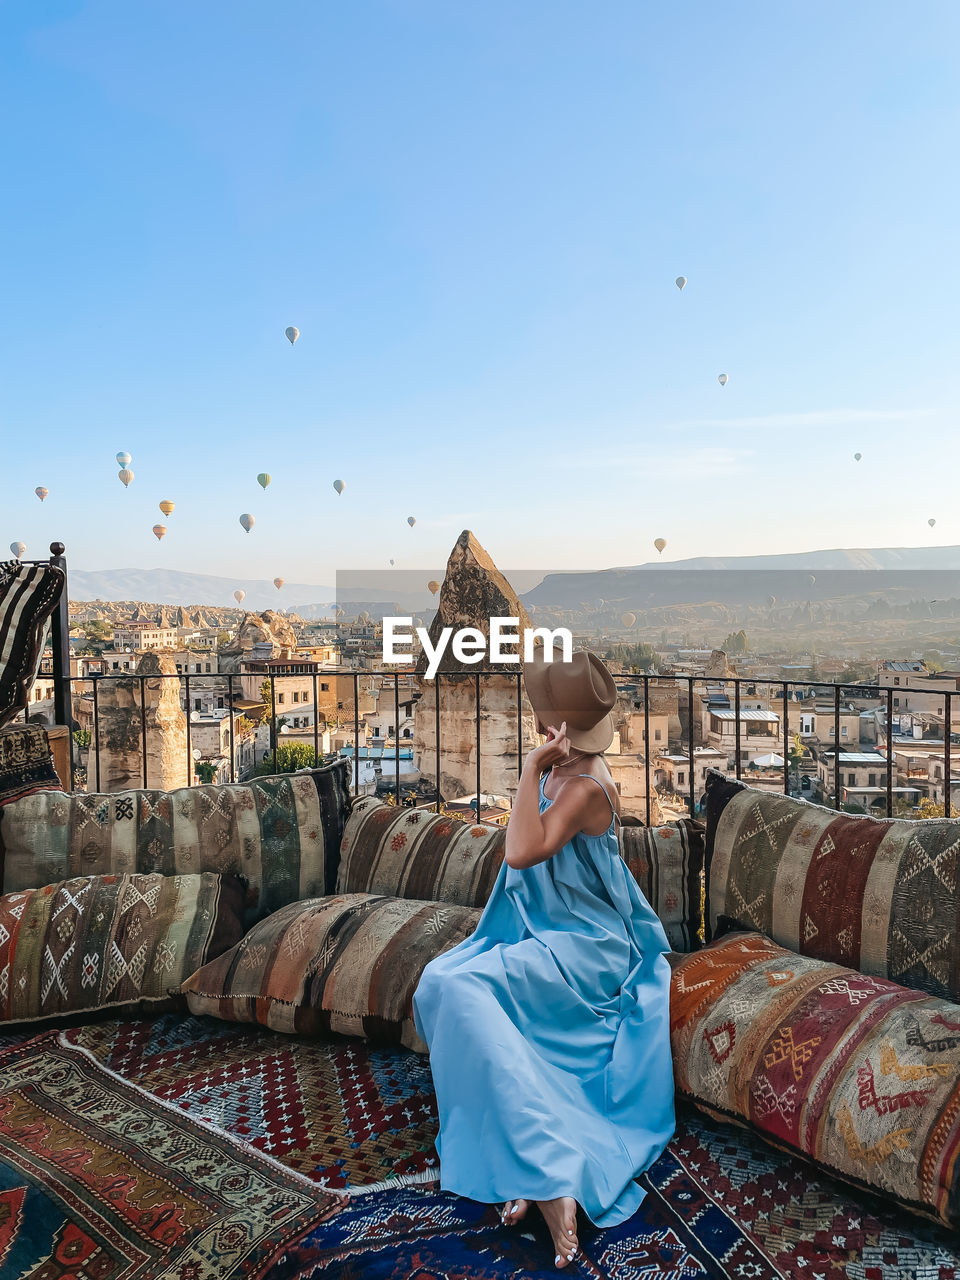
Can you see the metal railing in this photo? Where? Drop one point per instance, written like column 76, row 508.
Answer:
column 67, row 690
column 639, row 688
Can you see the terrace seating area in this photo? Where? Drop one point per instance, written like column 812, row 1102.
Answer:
column 206, row 1006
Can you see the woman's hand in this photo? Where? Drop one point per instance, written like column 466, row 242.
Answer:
column 553, row 751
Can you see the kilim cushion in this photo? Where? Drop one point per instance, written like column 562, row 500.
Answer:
column 26, row 762
column 858, row 1074
column 280, row 833
column 667, row 863
column 100, row 941
column 878, row 894
column 348, row 964
column 412, row 853
column 28, row 596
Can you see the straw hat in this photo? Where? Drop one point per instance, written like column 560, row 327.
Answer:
column 580, row 691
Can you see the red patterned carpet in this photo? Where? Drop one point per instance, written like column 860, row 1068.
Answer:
column 720, row 1202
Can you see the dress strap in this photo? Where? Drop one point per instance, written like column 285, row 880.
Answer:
column 603, row 789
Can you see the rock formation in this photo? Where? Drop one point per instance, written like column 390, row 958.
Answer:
column 473, row 591
column 125, row 706
column 718, row 667
column 267, row 628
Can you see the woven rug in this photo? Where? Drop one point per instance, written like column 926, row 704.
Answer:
column 717, row 1206
column 102, row 1182
column 339, row 1111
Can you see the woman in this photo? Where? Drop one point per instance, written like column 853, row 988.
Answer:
column 548, row 1028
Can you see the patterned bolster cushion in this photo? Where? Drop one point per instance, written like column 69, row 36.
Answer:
column 348, row 964
column 857, row 1074
column 29, row 593
column 667, row 864
column 26, row 762
column 282, row 834
column 99, row 942
column 411, row 853
column 878, row 894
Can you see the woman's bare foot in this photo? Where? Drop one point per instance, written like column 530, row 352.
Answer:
column 561, row 1219
column 513, row 1211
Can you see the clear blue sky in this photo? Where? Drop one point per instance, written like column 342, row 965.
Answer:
column 475, row 212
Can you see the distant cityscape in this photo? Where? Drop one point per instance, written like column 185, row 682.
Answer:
column 169, row 696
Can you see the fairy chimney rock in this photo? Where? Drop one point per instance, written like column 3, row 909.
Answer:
column 255, row 631
column 474, row 591
column 718, row 666
column 134, row 712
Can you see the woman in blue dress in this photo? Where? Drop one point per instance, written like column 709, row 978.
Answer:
column 548, row 1028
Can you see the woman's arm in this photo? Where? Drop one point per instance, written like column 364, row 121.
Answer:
column 533, row 836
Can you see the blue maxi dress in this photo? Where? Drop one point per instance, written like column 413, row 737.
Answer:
column 549, row 1036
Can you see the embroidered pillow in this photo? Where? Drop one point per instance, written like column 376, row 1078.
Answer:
column 878, row 894
column 667, row 863
column 856, row 1073
column 412, row 853
column 28, row 596
column 26, row 762
column 280, row 833
column 102, row 942
column 348, row 964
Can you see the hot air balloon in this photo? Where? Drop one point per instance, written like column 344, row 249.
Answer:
column 263, row 479
column 123, row 459
column 931, row 522
column 813, row 578
column 411, row 521
column 393, row 562
column 291, row 333
column 771, row 601
column 434, row 586
column 339, row 486
column 41, row 492
column 278, row 583
column 628, row 619
column 247, row 521
column 723, row 379
column 19, row 549
column 125, row 476
column 680, row 282
column 600, row 603
column 857, row 457
column 239, row 596
column 660, row 543
column 158, row 531
column 167, row 507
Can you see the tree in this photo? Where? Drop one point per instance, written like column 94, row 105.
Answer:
column 223, row 639
column 288, row 758
column 736, row 642
column 928, row 808
column 98, row 633
column 637, row 657
column 206, row 771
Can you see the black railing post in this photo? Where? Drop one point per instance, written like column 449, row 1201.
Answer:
column 947, row 718
column 890, row 753
column 737, row 732
column 693, row 800
column 836, row 747
column 233, row 750
column 60, row 644
column 273, row 719
column 477, row 686
column 356, row 732
column 96, row 728
column 186, row 698
column 646, row 740
column 786, row 742
column 396, row 732
column 143, row 726
column 436, row 729
column 316, row 722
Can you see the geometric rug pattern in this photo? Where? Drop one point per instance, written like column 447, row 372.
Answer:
column 344, row 1114
column 720, row 1202
column 101, row 1181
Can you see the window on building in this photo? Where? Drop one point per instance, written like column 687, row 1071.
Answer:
column 657, row 735
column 324, row 687
column 896, row 679
column 376, row 731
column 296, row 696
column 219, row 704
column 851, row 779
column 681, row 778
column 843, row 731
column 871, row 779
column 196, row 704
column 280, row 697
column 179, row 667
column 896, row 702
column 207, row 668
